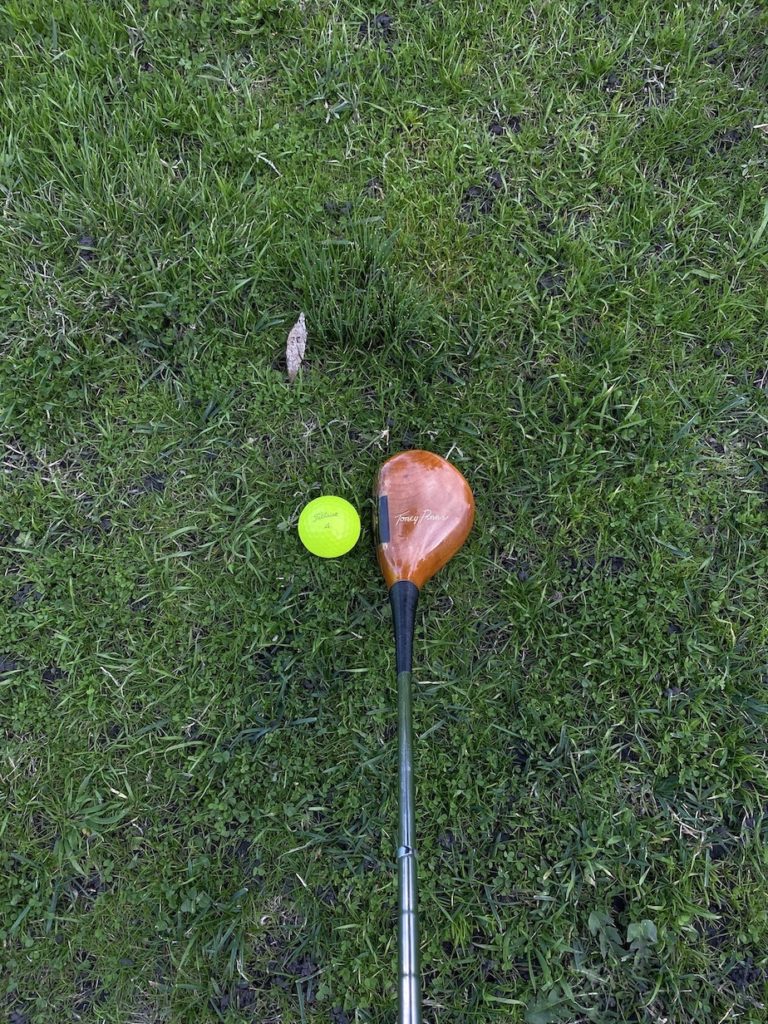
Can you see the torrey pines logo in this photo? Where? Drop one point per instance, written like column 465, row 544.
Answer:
column 427, row 516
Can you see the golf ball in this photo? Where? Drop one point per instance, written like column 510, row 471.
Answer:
column 329, row 526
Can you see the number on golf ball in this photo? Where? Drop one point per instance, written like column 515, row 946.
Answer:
column 329, row 526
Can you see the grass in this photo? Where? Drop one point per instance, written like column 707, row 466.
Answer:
column 532, row 237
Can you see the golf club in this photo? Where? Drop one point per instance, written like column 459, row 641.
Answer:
column 423, row 514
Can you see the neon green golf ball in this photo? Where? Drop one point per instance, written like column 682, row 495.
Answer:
column 329, row 526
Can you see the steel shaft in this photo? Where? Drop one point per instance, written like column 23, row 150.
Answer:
column 408, row 929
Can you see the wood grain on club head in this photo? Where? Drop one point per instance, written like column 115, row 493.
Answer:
column 424, row 512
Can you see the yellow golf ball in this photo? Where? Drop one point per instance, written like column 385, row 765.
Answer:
column 329, row 526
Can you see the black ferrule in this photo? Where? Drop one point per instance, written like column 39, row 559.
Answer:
column 403, row 597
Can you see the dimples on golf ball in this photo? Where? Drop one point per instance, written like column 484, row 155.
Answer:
column 329, row 526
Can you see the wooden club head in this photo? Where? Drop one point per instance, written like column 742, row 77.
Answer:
column 424, row 512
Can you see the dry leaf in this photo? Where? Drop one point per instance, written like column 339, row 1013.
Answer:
column 295, row 346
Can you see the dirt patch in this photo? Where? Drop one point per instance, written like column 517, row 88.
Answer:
column 89, row 992
column 241, row 996
column 53, row 675
column 86, row 249
column 749, row 821
column 519, row 755
column 551, row 283
column 327, row 895
column 480, row 199
column 8, row 664
column 720, row 849
column 244, row 853
column 377, row 29
column 139, row 604
column 516, row 564
column 336, row 209
column 491, row 640
column 619, row 908
column 714, row 445
column 153, row 483
column 25, row 594
column 150, row 483
column 303, row 967
column 715, row 933
column 505, row 124
column 725, row 141
column 744, row 975
column 85, row 891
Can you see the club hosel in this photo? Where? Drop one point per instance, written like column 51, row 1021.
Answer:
column 403, row 599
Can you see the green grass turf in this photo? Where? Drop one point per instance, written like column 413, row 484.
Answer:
column 530, row 236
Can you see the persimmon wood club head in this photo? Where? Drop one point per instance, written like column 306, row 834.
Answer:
column 425, row 511
column 423, row 514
